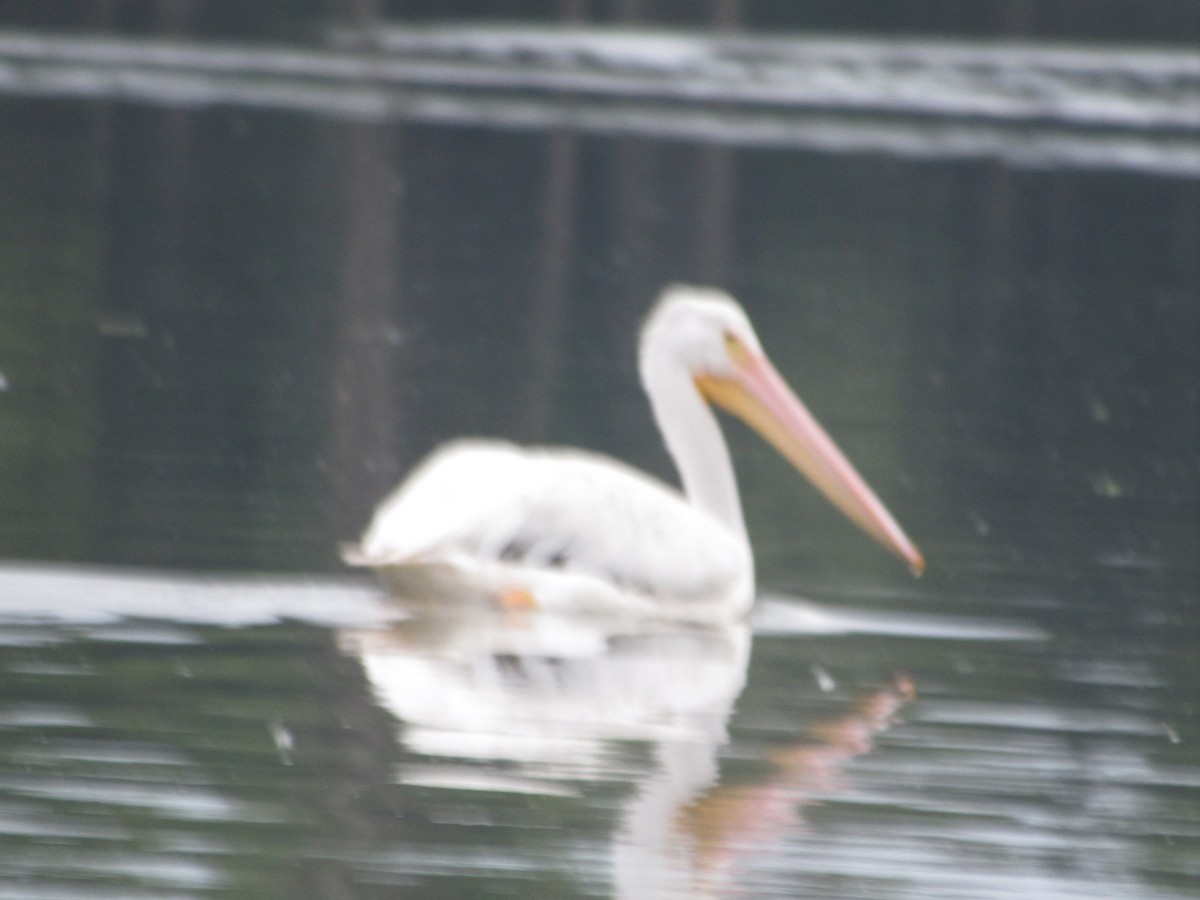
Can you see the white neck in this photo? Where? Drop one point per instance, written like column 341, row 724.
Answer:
column 696, row 444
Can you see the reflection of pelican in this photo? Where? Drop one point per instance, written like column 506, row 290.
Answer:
column 547, row 693
column 569, row 529
column 684, row 838
column 522, row 705
column 557, row 706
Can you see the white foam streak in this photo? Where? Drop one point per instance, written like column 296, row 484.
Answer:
column 1031, row 105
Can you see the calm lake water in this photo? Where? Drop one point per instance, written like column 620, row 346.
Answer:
column 243, row 292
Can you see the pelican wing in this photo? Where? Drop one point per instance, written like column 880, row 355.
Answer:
column 577, row 516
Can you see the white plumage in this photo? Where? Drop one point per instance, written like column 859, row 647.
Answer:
column 568, row 529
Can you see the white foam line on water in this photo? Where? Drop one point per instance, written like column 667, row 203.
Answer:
column 1125, row 86
column 1033, row 105
column 93, row 595
column 85, row 595
column 779, row 615
column 472, row 779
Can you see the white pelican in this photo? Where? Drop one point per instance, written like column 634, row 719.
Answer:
column 568, row 529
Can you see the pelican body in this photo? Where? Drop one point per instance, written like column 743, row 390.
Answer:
column 566, row 529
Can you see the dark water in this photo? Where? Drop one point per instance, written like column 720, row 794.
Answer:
column 237, row 304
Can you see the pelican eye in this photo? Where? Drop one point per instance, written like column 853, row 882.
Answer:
column 735, row 347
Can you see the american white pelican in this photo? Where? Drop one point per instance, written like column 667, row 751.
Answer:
column 567, row 529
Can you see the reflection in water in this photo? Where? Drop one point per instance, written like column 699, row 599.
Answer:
column 545, row 693
column 181, row 734
column 536, row 704
column 706, row 839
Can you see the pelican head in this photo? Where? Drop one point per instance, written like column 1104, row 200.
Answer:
column 702, row 339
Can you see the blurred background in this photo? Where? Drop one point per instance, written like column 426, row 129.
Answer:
column 256, row 259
